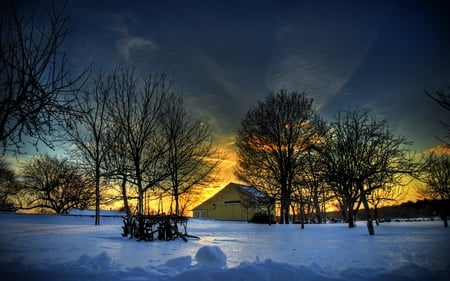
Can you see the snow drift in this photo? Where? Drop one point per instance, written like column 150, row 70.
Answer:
column 70, row 248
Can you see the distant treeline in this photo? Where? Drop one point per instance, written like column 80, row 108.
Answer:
column 408, row 210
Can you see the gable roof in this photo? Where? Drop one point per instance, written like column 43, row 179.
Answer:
column 246, row 189
column 252, row 191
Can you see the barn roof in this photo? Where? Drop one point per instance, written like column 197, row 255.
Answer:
column 252, row 190
column 244, row 188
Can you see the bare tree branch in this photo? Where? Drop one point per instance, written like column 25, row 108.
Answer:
column 56, row 185
column 36, row 87
column 191, row 157
column 272, row 141
column 360, row 156
column 134, row 108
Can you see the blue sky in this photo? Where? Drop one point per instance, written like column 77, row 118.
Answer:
column 226, row 55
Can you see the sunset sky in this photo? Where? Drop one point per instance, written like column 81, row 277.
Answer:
column 226, row 55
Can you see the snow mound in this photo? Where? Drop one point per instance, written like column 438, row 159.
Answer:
column 274, row 271
column 96, row 263
column 211, row 256
column 179, row 263
column 211, row 266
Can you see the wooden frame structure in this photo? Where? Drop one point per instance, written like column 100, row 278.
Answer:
column 167, row 227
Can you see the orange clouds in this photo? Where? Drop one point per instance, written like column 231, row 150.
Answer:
column 441, row 149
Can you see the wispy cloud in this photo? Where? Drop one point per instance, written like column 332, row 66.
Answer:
column 126, row 42
column 213, row 89
column 319, row 54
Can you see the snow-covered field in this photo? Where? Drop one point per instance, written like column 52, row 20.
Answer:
column 49, row 247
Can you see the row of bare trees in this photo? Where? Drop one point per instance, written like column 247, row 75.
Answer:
column 47, row 184
column 135, row 131
column 272, row 141
column 296, row 158
column 36, row 92
column 122, row 126
column 361, row 155
column 129, row 131
column 436, row 168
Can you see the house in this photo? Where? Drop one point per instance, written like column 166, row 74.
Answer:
column 233, row 202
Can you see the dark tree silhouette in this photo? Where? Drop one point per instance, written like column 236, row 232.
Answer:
column 56, row 185
column 9, row 186
column 191, row 157
column 358, row 150
column 88, row 132
column 258, row 201
column 436, row 176
column 272, row 141
column 443, row 99
column 312, row 182
column 134, row 108
column 386, row 191
column 36, row 88
column 117, row 166
column 263, row 182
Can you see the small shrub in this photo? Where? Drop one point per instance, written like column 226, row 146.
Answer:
column 261, row 217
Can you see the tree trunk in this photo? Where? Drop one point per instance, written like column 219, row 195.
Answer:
column 269, row 214
column 140, row 201
column 317, row 209
column 97, row 196
column 444, row 216
column 302, row 215
column 126, row 205
column 350, row 217
column 376, row 214
column 369, row 217
column 287, row 217
column 176, row 203
column 344, row 214
column 281, row 219
column 284, row 209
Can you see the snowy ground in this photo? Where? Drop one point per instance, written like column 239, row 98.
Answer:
column 48, row 247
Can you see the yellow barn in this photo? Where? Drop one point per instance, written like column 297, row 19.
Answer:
column 233, row 202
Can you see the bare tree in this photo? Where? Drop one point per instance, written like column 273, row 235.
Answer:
column 272, row 141
column 443, row 99
column 134, row 107
column 36, row 88
column 313, row 181
column 358, row 150
column 191, row 157
column 390, row 192
column 301, row 202
column 117, row 166
column 259, row 202
column 388, row 186
column 194, row 195
column 262, row 181
column 9, row 185
column 57, row 185
column 435, row 171
column 87, row 132
column 436, row 176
